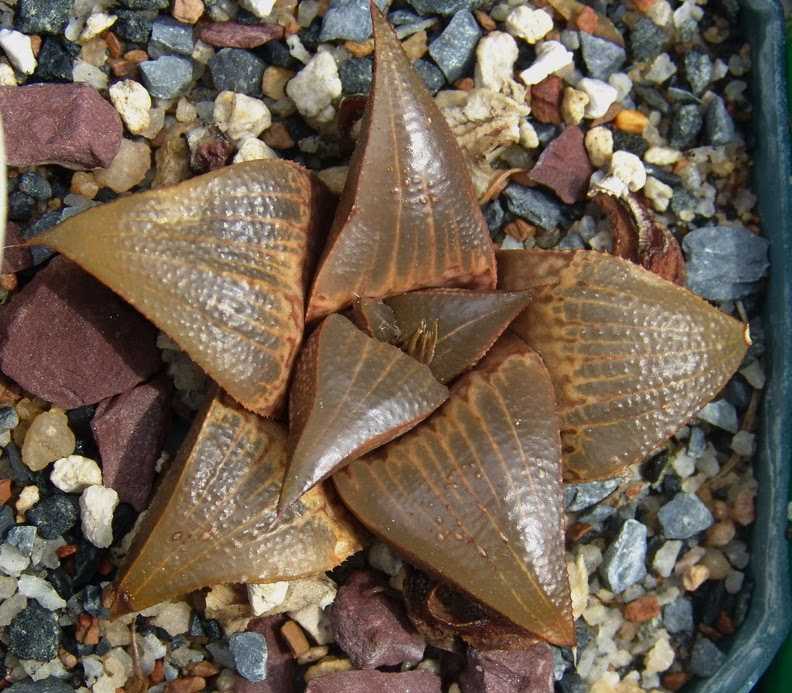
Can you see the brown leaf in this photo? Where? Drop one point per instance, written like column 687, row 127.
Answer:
column 570, row 9
column 564, row 166
column 408, row 218
column 210, row 521
column 351, row 393
column 376, row 319
column 632, row 356
column 219, row 263
column 468, row 323
column 473, row 494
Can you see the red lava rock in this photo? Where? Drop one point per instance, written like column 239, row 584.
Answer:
column 129, row 430
column 70, row 340
column 376, row 682
column 564, row 166
column 66, row 124
column 236, row 35
column 546, row 100
column 502, row 671
column 372, row 628
column 280, row 663
column 16, row 257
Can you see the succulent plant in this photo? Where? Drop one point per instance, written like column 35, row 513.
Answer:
column 442, row 412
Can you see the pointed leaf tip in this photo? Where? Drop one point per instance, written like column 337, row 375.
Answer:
column 632, row 356
column 211, row 519
column 473, row 494
column 408, row 218
column 351, row 393
column 219, row 263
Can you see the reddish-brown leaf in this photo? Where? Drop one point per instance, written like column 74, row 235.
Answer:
column 468, row 323
column 632, row 356
column 211, row 519
column 351, row 393
column 473, row 494
column 408, row 218
column 219, row 263
column 377, row 319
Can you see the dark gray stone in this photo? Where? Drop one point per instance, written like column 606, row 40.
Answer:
column 356, row 75
column 235, row 69
column 684, row 516
column 7, row 520
column 720, row 413
column 602, row 57
column 678, row 616
column 34, row 634
column 167, row 77
column 586, row 495
column 706, row 658
column 653, row 98
column 718, row 123
column 442, row 7
column 347, row 20
column 647, row 40
column 53, row 516
column 55, row 62
column 35, row 185
column 169, row 36
column 22, row 537
column 533, row 205
column 42, row 16
column 494, row 215
column 725, row 263
column 8, row 418
column 698, row 71
column 433, row 76
column 146, row 4
column 249, row 651
column 685, row 126
column 624, row 562
column 134, row 26
column 453, row 50
column 48, row 685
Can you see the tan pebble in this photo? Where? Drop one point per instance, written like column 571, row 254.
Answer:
column 743, row 512
column 172, row 158
column 295, row 638
column 204, row 669
column 189, row 684
column 716, row 563
column 465, row 84
column 721, row 533
column 8, row 282
column 520, row 230
column 360, row 49
column 128, row 168
column 122, row 68
column 487, row 23
column 28, row 497
column 632, row 121
column 273, row 82
column 313, row 655
column 694, row 577
column 138, row 55
column 415, row 46
column 187, row 11
column 628, row 631
column 95, row 52
column 719, row 509
column 278, row 137
column 573, row 105
column 690, row 558
column 67, row 659
column 185, row 111
column 329, row 665
column 48, row 439
column 29, row 408
column 83, row 183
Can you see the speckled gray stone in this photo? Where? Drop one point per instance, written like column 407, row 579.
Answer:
column 678, row 616
column 347, row 20
column 624, row 562
column 533, row 205
column 586, row 495
column 684, row 516
column 442, row 7
column 169, row 36
column 453, row 50
column 235, row 69
column 698, row 70
column 249, row 651
column 706, row 658
column 22, row 537
column 433, row 76
column 48, row 685
column 42, row 16
column 685, row 126
column 720, row 413
column 718, row 123
column 602, row 57
column 356, row 75
column 647, row 40
column 167, row 77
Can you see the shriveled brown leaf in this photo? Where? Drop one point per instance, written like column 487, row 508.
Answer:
column 211, row 519
column 473, row 494
column 632, row 356
column 408, row 218
column 219, row 262
column 351, row 393
column 468, row 323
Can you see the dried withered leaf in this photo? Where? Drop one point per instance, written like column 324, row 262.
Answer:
column 408, row 218
column 468, row 322
column 473, row 494
column 376, row 319
column 211, row 519
column 570, row 9
column 632, row 356
column 219, row 262
column 351, row 393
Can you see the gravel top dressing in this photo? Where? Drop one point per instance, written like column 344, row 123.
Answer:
column 178, row 422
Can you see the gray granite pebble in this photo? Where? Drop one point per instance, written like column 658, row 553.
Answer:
column 624, row 562
column 647, row 40
column 356, row 75
column 602, row 57
column 146, row 4
column 235, row 69
column 725, row 263
column 53, row 516
column 347, row 20
column 249, row 651
column 167, row 77
column 8, row 418
column 42, row 16
column 34, row 634
column 698, row 70
column 684, row 516
column 433, row 76
column 134, row 26
column 678, row 616
column 453, row 49
column 720, row 413
column 48, row 685
column 533, row 205
column 586, row 495
column 169, row 36
column 22, row 537
column 718, row 123
column 706, row 658
column 442, row 7
column 685, row 126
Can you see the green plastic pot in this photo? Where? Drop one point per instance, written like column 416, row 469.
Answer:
column 770, row 613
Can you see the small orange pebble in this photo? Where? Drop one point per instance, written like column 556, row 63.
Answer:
column 66, row 550
column 520, row 230
column 587, row 20
column 35, row 44
column 114, row 45
column 487, row 23
column 634, row 489
column 189, row 684
column 643, row 5
column 577, row 531
column 138, row 55
column 465, row 84
column 360, row 49
column 5, row 491
column 204, row 669
column 8, row 281
column 642, row 609
column 295, row 638
column 675, row 680
column 631, row 120
column 157, row 674
column 121, row 67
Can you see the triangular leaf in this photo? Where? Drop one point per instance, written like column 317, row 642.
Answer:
column 469, row 323
column 473, row 494
column 632, row 356
column 219, row 263
column 211, row 520
column 408, row 218
column 351, row 394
